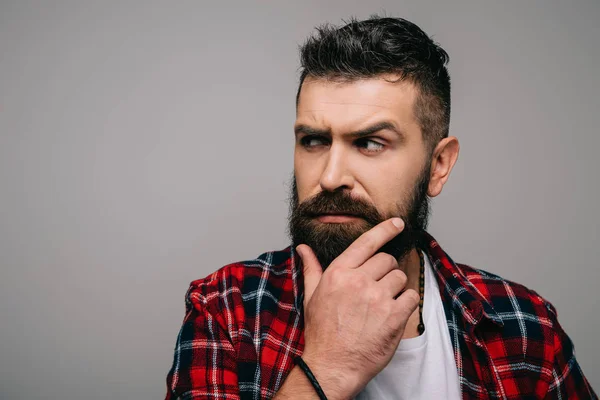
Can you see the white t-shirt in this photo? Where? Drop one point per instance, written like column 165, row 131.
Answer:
column 423, row 367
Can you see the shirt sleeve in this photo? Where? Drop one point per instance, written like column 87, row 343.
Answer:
column 204, row 363
column 568, row 381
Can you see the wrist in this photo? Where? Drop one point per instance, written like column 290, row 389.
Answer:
column 336, row 384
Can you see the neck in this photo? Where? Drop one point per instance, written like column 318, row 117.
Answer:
column 410, row 264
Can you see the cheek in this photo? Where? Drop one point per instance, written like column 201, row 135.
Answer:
column 307, row 178
column 388, row 187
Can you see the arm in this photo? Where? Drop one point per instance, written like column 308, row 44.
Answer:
column 568, row 380
column 204, row 364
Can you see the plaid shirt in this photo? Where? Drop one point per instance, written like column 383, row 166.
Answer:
column 244, row 326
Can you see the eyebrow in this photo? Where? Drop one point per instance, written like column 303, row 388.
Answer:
column 380, row 126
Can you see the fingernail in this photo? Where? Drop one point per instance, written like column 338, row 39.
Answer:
column 397, row 222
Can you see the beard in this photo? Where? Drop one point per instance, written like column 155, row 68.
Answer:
column 329, row 240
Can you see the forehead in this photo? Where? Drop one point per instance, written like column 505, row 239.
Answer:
column 344, row 105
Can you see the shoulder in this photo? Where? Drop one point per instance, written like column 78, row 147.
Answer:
column 511, row 300
column 531, row 338
column 240, row 280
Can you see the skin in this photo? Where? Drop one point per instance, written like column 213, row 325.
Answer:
column 353, row 324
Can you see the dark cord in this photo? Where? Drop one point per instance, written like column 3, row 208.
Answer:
column 300, row 362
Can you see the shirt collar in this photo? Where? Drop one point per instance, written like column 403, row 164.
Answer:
column 456, row 288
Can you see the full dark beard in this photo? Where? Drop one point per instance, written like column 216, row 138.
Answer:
column 328, row 241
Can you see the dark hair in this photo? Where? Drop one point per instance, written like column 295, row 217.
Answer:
column 380, row 45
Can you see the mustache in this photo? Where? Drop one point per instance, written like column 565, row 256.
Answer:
column 339, row 202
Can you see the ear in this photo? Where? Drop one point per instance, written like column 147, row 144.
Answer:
column 443, row 159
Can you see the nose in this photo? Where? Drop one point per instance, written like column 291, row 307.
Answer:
column 336, row 174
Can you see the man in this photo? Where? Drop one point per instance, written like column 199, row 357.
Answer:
column 365, row 303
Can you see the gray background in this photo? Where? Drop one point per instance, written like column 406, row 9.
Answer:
column 144, row 145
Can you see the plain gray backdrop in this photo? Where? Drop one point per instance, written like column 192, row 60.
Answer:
column 146, row 144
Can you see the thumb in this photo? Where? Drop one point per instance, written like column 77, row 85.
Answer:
column 312, row 271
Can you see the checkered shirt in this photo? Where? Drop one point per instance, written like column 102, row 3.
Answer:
column 243, row 328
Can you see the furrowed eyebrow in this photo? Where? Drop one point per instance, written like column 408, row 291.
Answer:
column 307, row 130
column 380, row 126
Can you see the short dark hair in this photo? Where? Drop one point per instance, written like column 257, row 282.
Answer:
column 381, row 45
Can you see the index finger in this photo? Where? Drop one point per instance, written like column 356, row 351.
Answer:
column 369, row 242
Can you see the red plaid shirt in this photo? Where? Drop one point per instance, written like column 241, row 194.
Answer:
column 244, row 326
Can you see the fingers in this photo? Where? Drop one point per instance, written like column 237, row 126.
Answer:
column 407, row 303
column 368, row 243
column 392, row 283
column 379, row 265
column 312, row 271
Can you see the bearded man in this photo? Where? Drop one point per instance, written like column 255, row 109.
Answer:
column 365, row 303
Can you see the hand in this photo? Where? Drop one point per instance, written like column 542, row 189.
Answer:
column 353, row 324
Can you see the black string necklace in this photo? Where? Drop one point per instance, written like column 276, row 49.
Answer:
column 421, row 327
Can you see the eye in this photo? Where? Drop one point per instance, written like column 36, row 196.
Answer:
column 311, row 141
column 370, row 145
